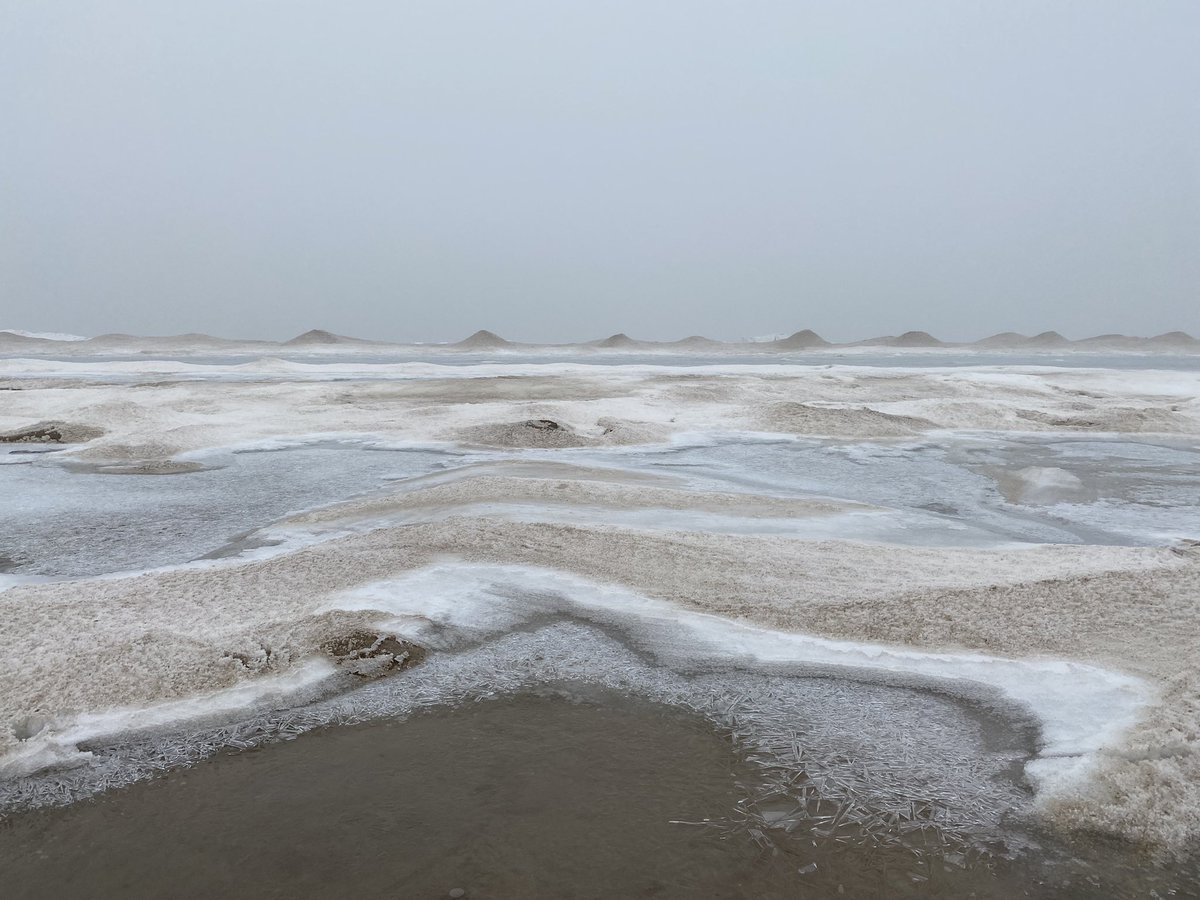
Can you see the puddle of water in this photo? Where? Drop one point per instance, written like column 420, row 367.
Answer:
column 515, row 798
column 571, row 792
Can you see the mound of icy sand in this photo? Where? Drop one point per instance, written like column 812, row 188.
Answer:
column 118, row 341
column 619, row 341
column 1048, row 339
column 908, row 339
column 530, row 434
column 482, row 340
column 1004, row 340
column 1175, row 340
column 319, row 337
column 800, row 340
column 30, row 340
column 1110, row 418
column 828, row 421
column 694, row 342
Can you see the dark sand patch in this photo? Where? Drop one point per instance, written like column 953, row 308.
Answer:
column 51, row 433
column 530, row 434
column 517, row 798
column 530, row 797
column 371, row 655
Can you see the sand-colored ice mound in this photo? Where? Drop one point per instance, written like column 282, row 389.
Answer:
column 543, row 484
column 12, row 342
column 1108, row 418
column 1004, row 340
column 1176, row 340
column 915, row 339
column 694, row 342
column 800, row 340
column 618, row 341
column 623, row 432
column 910, row 339
column 143, row 458
column 549, row 434
column 482, row 340
column 319, row 337
column 540, row 434
column 842, row 422
column 1048, row 339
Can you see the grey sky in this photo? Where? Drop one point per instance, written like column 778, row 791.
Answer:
column 562, row 170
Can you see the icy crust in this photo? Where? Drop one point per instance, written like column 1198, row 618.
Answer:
column 142, row 641
column 50, row 744
column 969, row 491
column 522, row 492
column 1080, row 708
column 76, row 523
column 168, row 414
column 171, row 636
column 60, row 521
column 848, row 761
column 975, row 491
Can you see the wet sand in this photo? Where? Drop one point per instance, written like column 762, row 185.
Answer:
column 517, row 798
column 552, row 795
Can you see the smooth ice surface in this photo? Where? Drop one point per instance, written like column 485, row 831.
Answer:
column 954, row 489
column 63, row 521
column 942, row 491
column 981, row 491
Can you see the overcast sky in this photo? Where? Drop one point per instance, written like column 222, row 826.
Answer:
column 563, row 170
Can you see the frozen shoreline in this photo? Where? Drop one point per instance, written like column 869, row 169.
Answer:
column 1116, row 617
